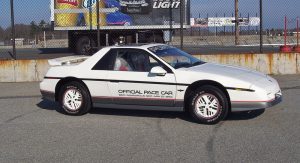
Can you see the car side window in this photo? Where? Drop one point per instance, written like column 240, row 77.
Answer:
column 134, row 60
column 121, row 62
column 106, row 62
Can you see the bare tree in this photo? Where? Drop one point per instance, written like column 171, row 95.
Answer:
column 1, row 34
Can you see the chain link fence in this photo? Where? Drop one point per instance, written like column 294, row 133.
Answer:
column 81, row 25
column 214, row 23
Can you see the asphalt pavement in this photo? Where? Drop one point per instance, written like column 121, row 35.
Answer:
column 31, row 130
column 50, row 53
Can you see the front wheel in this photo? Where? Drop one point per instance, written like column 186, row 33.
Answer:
column 208, row 105
column 74, row 99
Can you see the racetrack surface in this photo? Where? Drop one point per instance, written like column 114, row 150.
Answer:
column 31, row 130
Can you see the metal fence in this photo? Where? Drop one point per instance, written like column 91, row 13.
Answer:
column 210, row 24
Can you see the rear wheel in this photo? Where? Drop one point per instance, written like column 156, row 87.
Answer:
column 155, row 39
column 208, row 105
column 74, row 99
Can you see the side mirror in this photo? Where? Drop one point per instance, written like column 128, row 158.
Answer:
column 158, row 71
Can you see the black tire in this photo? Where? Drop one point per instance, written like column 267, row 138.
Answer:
column 85, row 45
column 86, row 102
column 214, row 93
column 155, row 39
column 146, row 10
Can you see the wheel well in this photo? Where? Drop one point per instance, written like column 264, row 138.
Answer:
column 197, row 84
column 65, row 81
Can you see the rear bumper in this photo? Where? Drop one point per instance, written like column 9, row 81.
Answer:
column 248, row 106
column 48, row 95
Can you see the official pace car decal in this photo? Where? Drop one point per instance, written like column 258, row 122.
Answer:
column 145, row 93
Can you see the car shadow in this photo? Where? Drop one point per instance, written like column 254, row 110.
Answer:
column 52, row 106
column 138, row 113
column 246, row 115
column 236, row 116
column 49, row 105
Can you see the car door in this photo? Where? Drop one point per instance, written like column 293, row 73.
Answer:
column 131, row 82
column 97, row 79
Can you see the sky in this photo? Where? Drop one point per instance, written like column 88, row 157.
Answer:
column 274, row 10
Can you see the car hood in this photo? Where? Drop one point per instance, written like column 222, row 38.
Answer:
column 229, row 71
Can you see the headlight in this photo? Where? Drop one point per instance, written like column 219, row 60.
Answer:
column 271, row 95
column 278, row 94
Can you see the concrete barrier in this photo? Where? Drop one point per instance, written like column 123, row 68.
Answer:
column 276, row 64
column 230, row 40
column 23, row 70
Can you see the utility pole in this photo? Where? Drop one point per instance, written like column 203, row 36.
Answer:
column 249, row 23
column 216, row 29
column 181, row 23
column 199, row 27
column 261, row 26
column 98, row 25
column 44, row 27
column 13, row 28
column 171, row 22
column 232, row 28
column 45, row 41
column 237, row 28
column 191, row 28
column 224, row 28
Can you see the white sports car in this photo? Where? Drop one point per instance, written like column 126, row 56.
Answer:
column 156, row 77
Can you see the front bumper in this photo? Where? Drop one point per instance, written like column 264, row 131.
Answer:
column 248, row 106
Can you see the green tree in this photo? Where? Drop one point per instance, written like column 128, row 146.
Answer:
column 42, row 25
column 34, row 29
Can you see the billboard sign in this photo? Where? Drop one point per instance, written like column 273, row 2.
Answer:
column 118, row 13
column 223, row 22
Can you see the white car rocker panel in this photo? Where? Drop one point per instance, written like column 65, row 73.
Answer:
column 156, row 77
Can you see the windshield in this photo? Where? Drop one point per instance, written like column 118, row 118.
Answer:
column 175, row 57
